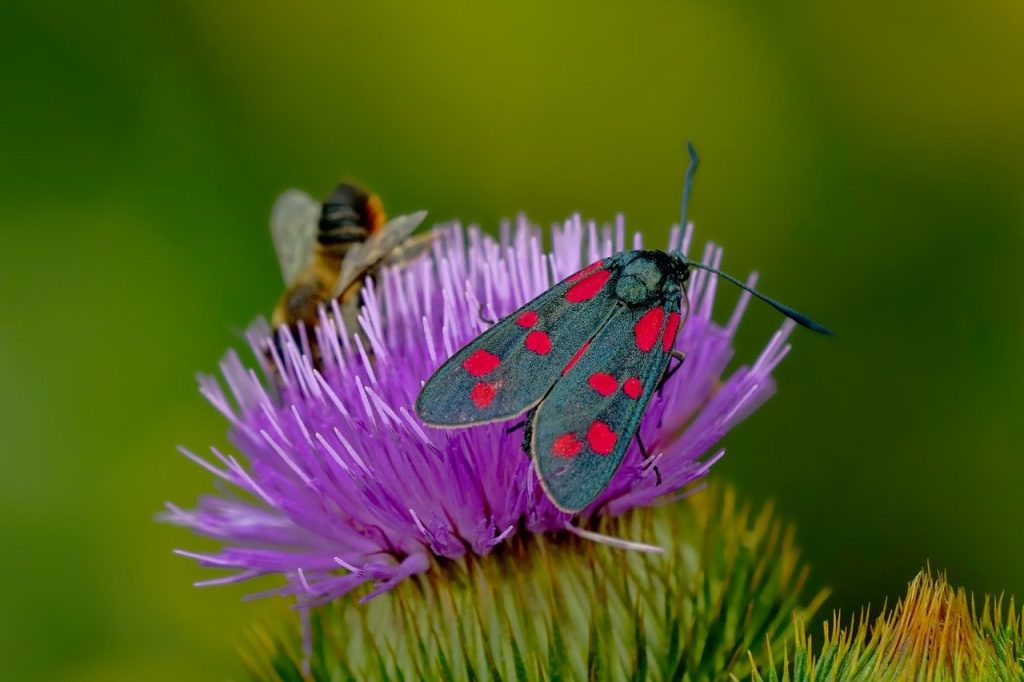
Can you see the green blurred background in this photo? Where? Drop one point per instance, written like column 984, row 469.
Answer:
column 867, row 158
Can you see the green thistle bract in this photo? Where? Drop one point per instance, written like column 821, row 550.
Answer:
column 560, row 607
column 933, row 633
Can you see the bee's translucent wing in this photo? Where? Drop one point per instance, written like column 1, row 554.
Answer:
column 293, row 227
column 377, row 247
column 410, row 248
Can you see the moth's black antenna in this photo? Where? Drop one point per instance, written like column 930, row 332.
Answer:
column 691, row 170
column 794, row 315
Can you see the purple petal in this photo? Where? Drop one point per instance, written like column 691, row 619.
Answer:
column 341, row 484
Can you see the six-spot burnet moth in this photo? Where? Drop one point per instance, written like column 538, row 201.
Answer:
column 584, row 359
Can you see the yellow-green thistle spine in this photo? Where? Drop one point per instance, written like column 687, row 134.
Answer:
column 561, row 607
column 935, row 632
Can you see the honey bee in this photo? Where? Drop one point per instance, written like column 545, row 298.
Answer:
column 327, row 249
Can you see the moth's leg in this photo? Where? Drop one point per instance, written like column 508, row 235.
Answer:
column 527, row 426
column 484, row 318
column 647, row 456
column 681, row 357
column 643, row 449
column 515, row 427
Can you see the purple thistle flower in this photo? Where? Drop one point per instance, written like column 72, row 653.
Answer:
column 344, row 486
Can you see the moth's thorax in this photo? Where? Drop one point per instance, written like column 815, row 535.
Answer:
column 647, row 277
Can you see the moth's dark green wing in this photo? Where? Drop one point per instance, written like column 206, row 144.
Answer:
column 508, row 368
column 582, row 428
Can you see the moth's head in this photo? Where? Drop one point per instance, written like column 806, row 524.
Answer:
column 681, row 266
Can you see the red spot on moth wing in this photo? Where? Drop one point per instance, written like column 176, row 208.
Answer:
column 671, row 327
column 567, row 445
column 575, row 358
column 482, row 394
column 603, row 383
column 601, row 438
column 585, row 271
column 647, row 328
column 539, row 342
column 633, row 388
column 587, row 288
column 527, row 319
column 481, row 362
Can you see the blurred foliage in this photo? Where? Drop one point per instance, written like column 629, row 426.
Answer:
column 865, row 156
column 933, row 633
column 554, row 607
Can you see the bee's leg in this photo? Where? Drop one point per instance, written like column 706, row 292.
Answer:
column 681, row 357
column 647, row 456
